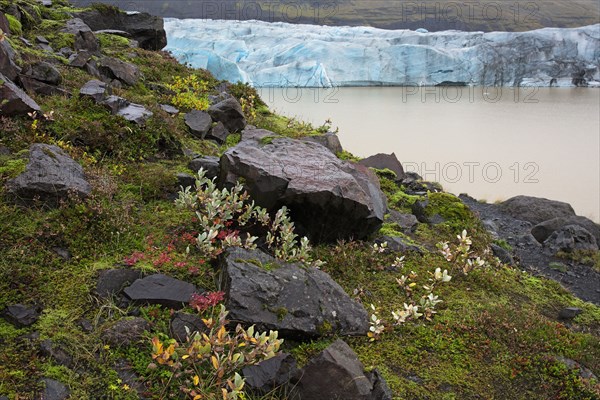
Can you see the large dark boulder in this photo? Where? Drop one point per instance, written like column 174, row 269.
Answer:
column 14, row 100
column 146, row 29
column 209, row 164
column 296, row 301
column 229, row 112
column 199, row 123
column 50, row 176
column 570, row 238
column 542, row 231
column 337, row 374
column 161, row 289
column 535, row 209
column 113, row 68
column 8, row 68
column 384, row 161
column 328, row 198
column 270, row 374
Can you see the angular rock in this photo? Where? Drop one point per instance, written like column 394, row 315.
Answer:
column 4, row 25
column 329, row 140
column 50, row 176
column 328, row 198
column 210, row 164
column 63, row 253
column 20, row 315
column 86, row 40
column 34, row 86
column 60, row 356
column 43, row 44
column 218, row 133
column 229, row 112
column 135, row 113
column 296, row 301
column 146, row 29
column 543, row 230
column 161, row 289
column 569, row 312
column 112, row 281
column 406, row 222
column 76, row 25
column 94, row 89
column 503, row 255
column 199, row 123
column 169, row 109
column 125, row 331
column 570, row 238
column 419, row 209
column 398, row 244
column 8, row 67
column 185, row 180
column 44, row 72
column 80, row 59
column 45, row 3
column 381, row 390
column 54, row 390
column 270, row 374
column 336, row 373
column 115, row 32
column 384, row 161
column 536, row 209
column 14, row 100
column 116, row 69
column 114, row 103
column 181, row 321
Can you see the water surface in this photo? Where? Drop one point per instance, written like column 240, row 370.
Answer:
column 492, row 143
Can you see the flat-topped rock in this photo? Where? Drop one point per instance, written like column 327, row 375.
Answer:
column 536, row 209
column 161, row 289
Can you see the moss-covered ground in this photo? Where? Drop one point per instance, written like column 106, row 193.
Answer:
column 495, row 335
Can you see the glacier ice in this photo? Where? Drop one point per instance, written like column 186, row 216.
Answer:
column 280, row 54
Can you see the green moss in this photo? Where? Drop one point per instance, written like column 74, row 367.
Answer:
column 112, row 42
column 281, row 313
column 347, row 156
column 11, row 168
column 504, row 244
column 267, row 140
column 15, row 25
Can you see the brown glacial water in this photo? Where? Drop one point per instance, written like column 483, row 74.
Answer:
column 492, row 143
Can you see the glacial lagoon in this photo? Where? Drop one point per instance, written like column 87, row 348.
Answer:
column 492, row 143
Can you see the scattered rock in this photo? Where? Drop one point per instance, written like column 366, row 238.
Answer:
column 199, row 123
column 270, row 374
column 65, row 52
column 161, row 289
column 569, row 312
column 14, row 100
column 210, row 164
column 128, row 377
column 115, row 32
column 384, row 161
column 542, row 231
column 146, row 29
column 570, row 238
column 398, row 244
column 50, row 176
column 381, row 390
column 181, row 321
column 218, row 133
column 584, row 372
column 185, row 180
column 41, row 88
column 169, row 109
column 45, row 3
column 125, row 331
column 419, row 209
column 329, row 140
column 80, row 59
column 94, row 89
column 114, row 104
column 20, row 315
column 86, row 40
column 328, row 198
column 229, row 112
column 112, row 281
column 44, row 72
column 214, row 99
column 336, row 373
column 503, row 255
column 8, row 67
column 135, row 113
column 60, row 356
column 289, row 298
column 4, row 25
column 536, row 209
column 43, row 44
column 406, row 222
column 85, row 325
column 63, row 253
column 75, row 25
column 116, row 69
column 54, row 390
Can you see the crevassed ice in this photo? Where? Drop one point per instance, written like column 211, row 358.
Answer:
column 280, row 54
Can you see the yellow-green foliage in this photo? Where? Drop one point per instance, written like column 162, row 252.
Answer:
column 190, row 93
column 15, row 25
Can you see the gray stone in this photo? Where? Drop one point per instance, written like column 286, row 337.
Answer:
column 112, row 281
column 406, row 222
column 114, row 103
column 384, row 161
column 274, row 373
column 169, row 109
column 328, row 198
column 296, row 301
column 45, row 3
column 4, row 25
column 62, row 252
column 503, row 255
column 14, row 100
column 65, row 52
column 419, row 209
column 54, row 390
column 329, row 140
column 50, row 176
column 41, row 40
column 44, row 72
column 398, row 244
column 185, row 180
column 40, row 88
column 218, row 133
column 337, row 374
column 161, row 289
column 60, row 356
column 115, row 32
column 20, row 315
column 135, row 113
column 210, row 164
column 125, row 331
column 542, row 231
column 8, row 67
column 199, row 123
column 182, row 322
column 76, row 25
column 569, row 312
column 80, row 59
column 570, row 238
column 535, row 209
column 86, row 40
column 116, row 69
column 229, row 112
column 94, row 89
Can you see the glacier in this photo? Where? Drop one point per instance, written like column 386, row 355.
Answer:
column 279, row 54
